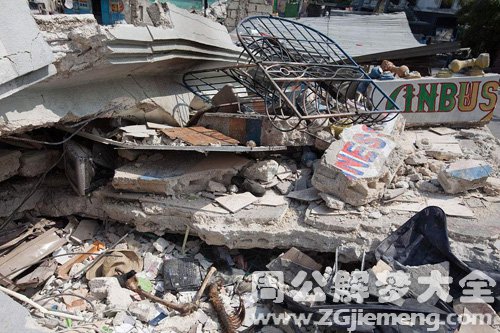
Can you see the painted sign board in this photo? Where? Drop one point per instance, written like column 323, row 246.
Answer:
column 363, row 152
column 455, row 100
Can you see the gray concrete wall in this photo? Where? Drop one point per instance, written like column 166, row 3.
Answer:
column 239, row 9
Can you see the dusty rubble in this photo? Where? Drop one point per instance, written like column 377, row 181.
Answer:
column 137, row 195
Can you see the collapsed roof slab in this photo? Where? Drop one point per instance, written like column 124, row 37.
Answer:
column 361, row 35
column 120, row 68
column 23, row 61
column 162, row 98
column 255, row 226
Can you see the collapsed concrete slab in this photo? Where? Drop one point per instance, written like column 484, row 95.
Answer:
column 135, row 71
column 177, row 173
column 254, row 226
column 358, row 167
column 464, row 175
column 23, row 60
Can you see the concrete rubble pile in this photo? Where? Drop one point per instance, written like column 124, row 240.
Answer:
column 131, row 204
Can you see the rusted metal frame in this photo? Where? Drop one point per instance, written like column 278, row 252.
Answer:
column 325, row 40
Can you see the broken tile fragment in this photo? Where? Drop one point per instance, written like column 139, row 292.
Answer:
column 236, row 202
column 262, row 170
column 310, row 194
column 332, row 202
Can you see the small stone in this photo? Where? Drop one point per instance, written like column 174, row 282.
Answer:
column 426, row 172
column 415, row 177
column 385, row 210
column 233, row 188
column 216, row 187
column 427, row 186
column 118, row 299
column 464, row 175
column 161, row 244
column 144, row 310
column 75, row 269
column 360, row 208
column 323, row 140
column 262, row 170
column 284, row 187
column 120, row 318
column 436, row 166
column 402, row 184
column 332, row 202
column 375, row 215
column 416, row 160
column 492, row 186
column 390, row 194
column 253, row 187
column 496, row 245
column 100, row 286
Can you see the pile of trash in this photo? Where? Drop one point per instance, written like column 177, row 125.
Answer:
column 82, row 275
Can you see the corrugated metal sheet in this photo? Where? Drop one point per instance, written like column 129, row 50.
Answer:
column 365, row 34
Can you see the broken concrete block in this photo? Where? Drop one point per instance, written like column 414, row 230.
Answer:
column 332, row 202
column 118, row 299
column 427, row 186
column 216, row 187
column 476, row 133
column 292, row 262
column 426, row 272
column 144, row 310
column 17, row 318
column 303, row 180
column 99, row 287
column 271, row 136
column 390, row 194
column 263, row 170
column 310, row 194
column 178, row 173
column 37, row 162
column 492, row 186
column 235, row 202
column 358, row 167
column 323, row 140
column 444, row 152
column 436, row 166
column 9, row 163
column 284, row 187
column 161, row 244
column 464, row 175
column 416, row 159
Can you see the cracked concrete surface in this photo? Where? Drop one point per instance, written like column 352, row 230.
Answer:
column 23, row 61
column 253, row 227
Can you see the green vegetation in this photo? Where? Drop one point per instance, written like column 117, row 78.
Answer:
column 480, row 26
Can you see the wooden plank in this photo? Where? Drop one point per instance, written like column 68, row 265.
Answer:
column 199, row 136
